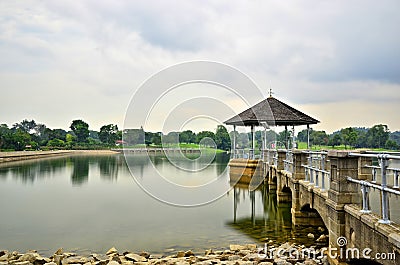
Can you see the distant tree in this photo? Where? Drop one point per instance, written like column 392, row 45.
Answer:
column 170, row 138
column 81, row 130
column 20, row 139
column 377, row 136
column 25, row 126
column 203, row 135
column 57, row 134
column 319, row 137
column 56, row 143
column 187, row 137
column 70, row 140
column 335, row 139
column 391, row 145
column 243, row 140
column 222, row 139
column 156, row 138
column 134, row 136
column 362, row 138
column 395, row 136
column 108, row 134
column 302, row 136
column 349, row 136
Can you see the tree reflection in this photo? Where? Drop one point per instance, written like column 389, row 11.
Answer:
column 31, row 170
column 80, row 172
column 108, row 166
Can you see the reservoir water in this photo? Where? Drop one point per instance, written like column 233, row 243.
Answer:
column 91, row 203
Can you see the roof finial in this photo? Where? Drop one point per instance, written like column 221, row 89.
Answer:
column 270, row 90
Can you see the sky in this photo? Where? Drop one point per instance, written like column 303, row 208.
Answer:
column 338, row 61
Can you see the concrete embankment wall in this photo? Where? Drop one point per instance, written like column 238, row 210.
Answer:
column 25, row 155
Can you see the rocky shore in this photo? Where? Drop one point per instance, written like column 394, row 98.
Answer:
column 250, row 254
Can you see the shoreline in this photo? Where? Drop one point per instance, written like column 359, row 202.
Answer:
column 28, row 155
column 249, row 254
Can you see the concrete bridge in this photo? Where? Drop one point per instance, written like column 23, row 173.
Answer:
column 332, row 189
column 153, row 150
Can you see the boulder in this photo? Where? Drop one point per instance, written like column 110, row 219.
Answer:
column 31, row 257
column 57, row 259
column 189, row 253
column 74, row 260
column 22, row 263
column 180, row 254
column 113, row 263
column 135, row 257
column 310, row 235
column 236, row 247
column 322, row 238
column 111, row 251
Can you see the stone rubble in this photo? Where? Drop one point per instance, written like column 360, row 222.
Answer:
column 248, row 254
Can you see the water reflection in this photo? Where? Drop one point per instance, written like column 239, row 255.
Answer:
column 109, row 166
column 80, row 172
column 32, row 170
column 268, row 219
column 78, row 167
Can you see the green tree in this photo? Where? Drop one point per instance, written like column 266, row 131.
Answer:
column 70, row 140
column 391, row 145
column 187, row 137
column 20, row 139
column 156, row 138
column 108, row 134
column 207, row 138
column 222, row 139
column 377, row 136
column 25, row 126
column 81, row 130
column 349, row 136
column 56, row 143
column 335, row 139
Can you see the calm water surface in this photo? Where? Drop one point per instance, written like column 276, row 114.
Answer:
column 91, row 203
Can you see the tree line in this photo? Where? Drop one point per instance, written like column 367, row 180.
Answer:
column 378, row 136
column 30, row 135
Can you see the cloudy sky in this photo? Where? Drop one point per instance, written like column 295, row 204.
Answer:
column 338, row 61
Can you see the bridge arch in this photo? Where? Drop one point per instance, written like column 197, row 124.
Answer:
column 313, row 216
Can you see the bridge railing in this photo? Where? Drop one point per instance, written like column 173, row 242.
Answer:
column 316, row 169
column 384, row 189
column 288, row 162
column 246, row 154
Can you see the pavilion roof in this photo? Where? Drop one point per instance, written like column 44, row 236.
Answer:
column 273, row 112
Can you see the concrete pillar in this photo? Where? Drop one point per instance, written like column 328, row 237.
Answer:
column 281, row 157
column 299, row 158
column 341, row 192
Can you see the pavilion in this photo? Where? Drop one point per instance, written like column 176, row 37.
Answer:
column 268, row 113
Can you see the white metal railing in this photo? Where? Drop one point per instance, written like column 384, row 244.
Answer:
column 288, row 162
column 316, row 169
column 383, row 160
column 245, row 153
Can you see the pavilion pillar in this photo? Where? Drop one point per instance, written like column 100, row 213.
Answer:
column 293, row 138
column 308, row 136
column 286, row 138
column 234, row 141
column 253, row 142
